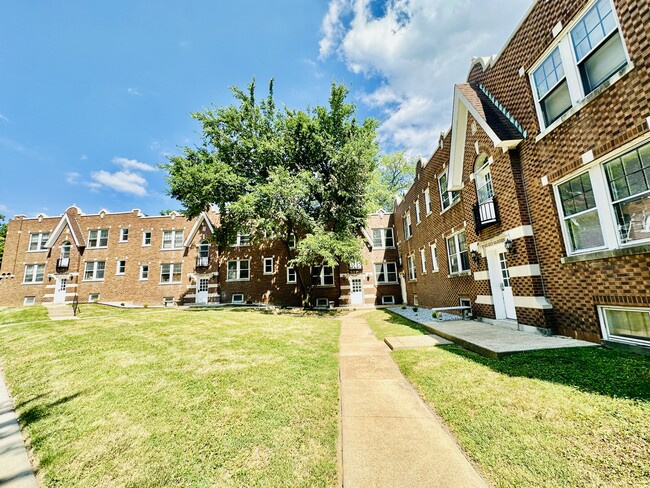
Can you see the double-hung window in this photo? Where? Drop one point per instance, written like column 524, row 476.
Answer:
column 434, row 258
column 98, row 238
column 144, row 271
column 124, row 234
column 586, row 54
column 121, row 267
column 410, row 261
column 406, row 221
column 423, row 261
column 172, row 239
column 291, row 275
column 322, row 276
column 238, row 270
column 457, row 252
column 146, row 238
column 34, row 273
column 608, row 205
column 170, row 272
column 268, row 266
column 417, row 211
column 37, row 240
column 94, row 270
column 427, row 201
column 382, row 238
column 386, row 273
column 447, row 198
column 243, row 239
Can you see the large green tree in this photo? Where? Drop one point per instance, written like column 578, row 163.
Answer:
column 282, row 172
column 392, row 177
column 3, row 236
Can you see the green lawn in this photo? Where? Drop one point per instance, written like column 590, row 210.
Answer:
column 569, row 417
column 11, row 315
column 386, row 324
column 165, row 397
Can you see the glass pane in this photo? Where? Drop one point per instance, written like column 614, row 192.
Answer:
column 376, row 238
column 627, row 323
column 634, row 218
column 584, row 231
column 603, row 63
column 577, row 195
column 556, row 103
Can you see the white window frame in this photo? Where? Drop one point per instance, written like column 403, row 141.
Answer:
column 604, row 327
column 265, row 263
column 322, row 275
column 124, row 234
column 174, row 242
column 242, row 240
column 427, row 202
column 29, row 301
column 408, row 228
column 410, row 264
column 172, row 271
column 418, row 217
column 386, row 272
column 423, row 260
column 292, row 241
column 39, row 242
column 144, row 272
column 458, row 254
column 32, row 271
column 384, row 233
column 604, row 203
column 434, row 257
column 146, row 235
column 238, row 270
column 322, row 302
column 95, row 268
column 388, row 300
column 571, row 69
column 121, row 263
column 93, row 297
column 291, row 270
column 99, row 237
column 452, row 196
column 237, row 301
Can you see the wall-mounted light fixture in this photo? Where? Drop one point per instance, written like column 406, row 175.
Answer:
column 476, row 257
column 509, row 245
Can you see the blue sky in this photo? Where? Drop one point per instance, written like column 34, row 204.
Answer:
column 94, row 94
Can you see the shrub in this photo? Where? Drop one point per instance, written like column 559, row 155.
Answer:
column 415, row 309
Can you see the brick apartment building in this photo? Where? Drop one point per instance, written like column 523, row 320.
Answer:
column 535, row 206
column 129, row 257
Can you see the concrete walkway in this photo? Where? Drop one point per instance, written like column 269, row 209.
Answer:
column 15, row 469
column 488, row 339
column 389, row 436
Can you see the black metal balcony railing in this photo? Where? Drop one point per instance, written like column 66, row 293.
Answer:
column 63, row 263
column 486, row 214
column 202, row 262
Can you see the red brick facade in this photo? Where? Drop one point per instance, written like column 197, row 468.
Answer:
column 495, row 114
column 137, row 267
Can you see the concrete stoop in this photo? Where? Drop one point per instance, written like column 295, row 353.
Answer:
column 60, row 311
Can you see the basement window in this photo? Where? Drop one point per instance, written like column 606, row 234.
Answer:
column 627, row 325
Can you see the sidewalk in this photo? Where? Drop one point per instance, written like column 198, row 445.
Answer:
column 389, row 436
column 15, row 469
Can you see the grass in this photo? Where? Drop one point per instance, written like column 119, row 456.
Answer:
column 386, row 324
column 10, row 315
column 164, row 397
column 567, row 417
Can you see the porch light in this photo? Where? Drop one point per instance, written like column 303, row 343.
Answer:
column 476, row 257
column 509, row 245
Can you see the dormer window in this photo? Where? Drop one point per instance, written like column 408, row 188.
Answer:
column 65, row 250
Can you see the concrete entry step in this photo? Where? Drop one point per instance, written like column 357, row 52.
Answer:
column 60, row 311
column 489, row 340
column 413, row 342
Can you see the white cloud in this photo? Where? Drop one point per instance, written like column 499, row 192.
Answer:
column 3, row 208
column 83, row 158
column 133, row 91
column 417, row 50
column 133, row 164
column 73, row 177
column 121, row 181
column 2, row 117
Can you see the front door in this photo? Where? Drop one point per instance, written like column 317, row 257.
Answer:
column 504, row 303
column 356, row 291
column 59, row 290
column 202, row 290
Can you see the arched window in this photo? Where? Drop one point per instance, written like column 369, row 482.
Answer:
column 483, row 179
column 65, row 250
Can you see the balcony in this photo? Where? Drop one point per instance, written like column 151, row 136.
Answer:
column 63, row 263
column 486, row 214
column 202, row 262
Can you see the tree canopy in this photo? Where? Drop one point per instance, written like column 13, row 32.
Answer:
column 393, row 176
column 3, row 236
column 283, row 173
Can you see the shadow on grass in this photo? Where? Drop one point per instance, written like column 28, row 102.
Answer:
column 35, row 413
column 593, row 370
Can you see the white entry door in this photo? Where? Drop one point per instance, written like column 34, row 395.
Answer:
column 59, row 290
column 504, row 303
column 356, row 291
column 202, row 290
